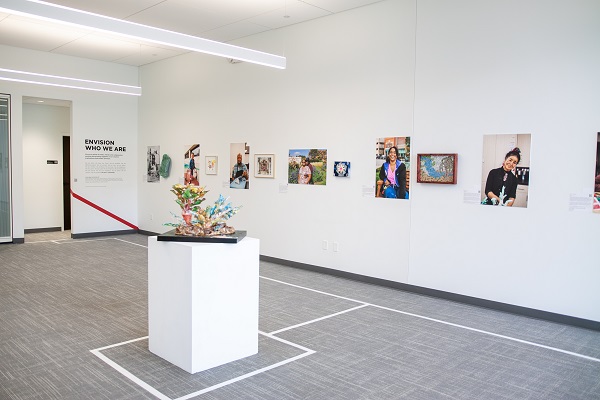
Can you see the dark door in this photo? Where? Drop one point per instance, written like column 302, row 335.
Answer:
column 67, row 181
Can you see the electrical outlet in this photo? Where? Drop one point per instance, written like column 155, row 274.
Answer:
column 325, row 245
column 336, row 246
column 151, row 217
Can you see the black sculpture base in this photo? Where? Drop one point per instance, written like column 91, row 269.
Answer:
column 172, row 237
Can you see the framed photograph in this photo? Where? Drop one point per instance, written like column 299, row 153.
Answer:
column 152, row 160
column 191, row 170
column 211, row 165
column 307, row 166
column 392, row 158
column 505, row 169
column 596, row 199
column 437, row 168
column 264, row 165
column 239, row 159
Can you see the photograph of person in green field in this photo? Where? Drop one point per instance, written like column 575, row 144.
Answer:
column 307, row 166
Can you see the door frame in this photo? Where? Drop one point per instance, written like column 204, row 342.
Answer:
column 7, row 160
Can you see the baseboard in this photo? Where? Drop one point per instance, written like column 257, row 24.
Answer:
column 147, row 233
column 38, row 230
column 99, row 234
column 18, row 240
column 528, row 312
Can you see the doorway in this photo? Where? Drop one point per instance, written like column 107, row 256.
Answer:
column 66, row 176
column 47, row 149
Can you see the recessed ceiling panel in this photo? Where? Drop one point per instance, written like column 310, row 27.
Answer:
column 336, row 6
column 99, row 48
column 292, row 14
column 235, row 10
column 179, row 19
column 231, row 32
column 149, row 54
column 36, row 35
column 121, row 9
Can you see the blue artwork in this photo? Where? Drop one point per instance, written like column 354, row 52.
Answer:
column 436, row 168
column 341, row 168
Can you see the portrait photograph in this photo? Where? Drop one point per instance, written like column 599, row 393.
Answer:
column 596, row 205
column 190, row 164
column 239, row 159
column 506, row 170
column 307, row 166
column 392, row 167
column 264, row 165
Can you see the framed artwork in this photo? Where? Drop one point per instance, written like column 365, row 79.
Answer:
column 596, row 199
column 239, row 159
column 211, row 165
column 190, row 174
column 264, row 165
column 392, row 157
column 341, row 169
column 437, row 168
column 153, row 162
column 307, row 166
column 505, row 169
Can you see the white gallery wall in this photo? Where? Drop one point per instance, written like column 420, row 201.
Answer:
column 517, row 67
column 94, row 115
column 445, row 74
column 344, row 88
column 43, row 129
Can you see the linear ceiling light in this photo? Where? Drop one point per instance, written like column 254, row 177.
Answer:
column 71, row 16
column 62, row 81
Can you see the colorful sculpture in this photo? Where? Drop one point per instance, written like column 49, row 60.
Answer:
column 194, row 220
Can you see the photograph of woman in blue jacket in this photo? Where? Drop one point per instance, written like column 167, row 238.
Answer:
column 393, row 175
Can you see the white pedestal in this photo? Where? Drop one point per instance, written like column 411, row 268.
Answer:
column 202, row 302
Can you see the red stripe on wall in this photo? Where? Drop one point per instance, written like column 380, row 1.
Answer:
column 104, row 211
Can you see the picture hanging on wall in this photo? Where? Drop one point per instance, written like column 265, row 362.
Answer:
column 264, row 165
column 153, row 161
column 341, row 169
column 239, row 159
column 505, row 174
column 307, row 166
column 392, row 167
column 436, row 168
column 211, row 165
column 596, row 206
column 190, row 174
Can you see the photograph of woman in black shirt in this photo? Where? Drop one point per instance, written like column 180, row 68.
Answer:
column 501, row 183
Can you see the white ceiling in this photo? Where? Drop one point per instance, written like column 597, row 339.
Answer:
column 46, row 102
column 219, row 20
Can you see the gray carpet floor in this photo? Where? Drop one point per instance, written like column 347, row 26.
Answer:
column 73, row 325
